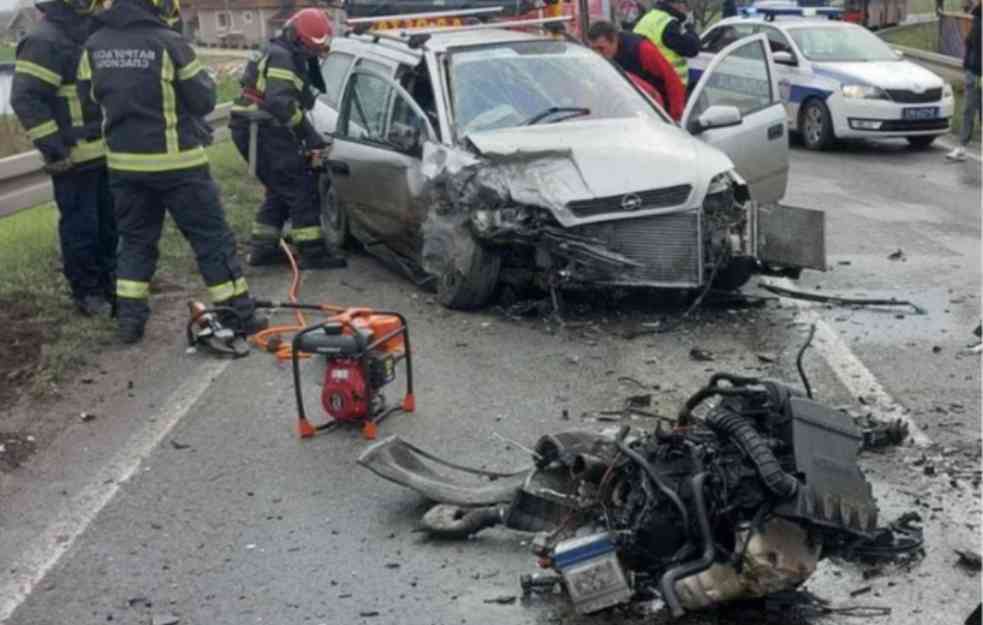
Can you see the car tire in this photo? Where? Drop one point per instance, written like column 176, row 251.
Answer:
column 468, row 281
column 922, row 142
column 816, row 125
column 334, row 217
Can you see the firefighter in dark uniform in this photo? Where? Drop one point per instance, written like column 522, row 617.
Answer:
column 154, row 93
column 281, row 82
column 69, row 138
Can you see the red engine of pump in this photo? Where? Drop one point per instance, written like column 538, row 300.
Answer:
column 346, row 390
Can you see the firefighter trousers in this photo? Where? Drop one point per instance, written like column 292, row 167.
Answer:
column 192, row 198
column 291, row 188
column 87, row 231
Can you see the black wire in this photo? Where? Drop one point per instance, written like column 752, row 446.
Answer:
column 798, row 361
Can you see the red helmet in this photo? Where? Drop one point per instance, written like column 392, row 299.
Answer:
column 313, row 30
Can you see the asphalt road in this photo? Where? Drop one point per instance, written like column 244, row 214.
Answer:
column 190, row 496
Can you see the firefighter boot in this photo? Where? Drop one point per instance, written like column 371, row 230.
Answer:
column 131, row 318
column 316, row 255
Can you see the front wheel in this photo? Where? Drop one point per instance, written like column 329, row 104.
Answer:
column 334, row 217
column 466, row 271
column 921, row 142
column 816, row 125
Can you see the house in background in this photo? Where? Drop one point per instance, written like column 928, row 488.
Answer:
column 238, row 23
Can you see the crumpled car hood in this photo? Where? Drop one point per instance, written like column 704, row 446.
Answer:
column 607, row 157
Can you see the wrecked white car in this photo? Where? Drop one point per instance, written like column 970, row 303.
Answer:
column 481, row 157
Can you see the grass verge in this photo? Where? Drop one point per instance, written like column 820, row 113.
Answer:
column 7, row 53
column 30, row 276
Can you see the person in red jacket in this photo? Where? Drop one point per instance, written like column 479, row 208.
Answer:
column 640, row 59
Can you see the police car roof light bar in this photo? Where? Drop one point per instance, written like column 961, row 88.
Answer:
column 770, row 13
column 423, row 16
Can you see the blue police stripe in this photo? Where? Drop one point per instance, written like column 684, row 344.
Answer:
column 798, row 93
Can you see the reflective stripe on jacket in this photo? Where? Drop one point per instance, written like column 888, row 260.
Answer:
column 153, row 89
column 44, row 94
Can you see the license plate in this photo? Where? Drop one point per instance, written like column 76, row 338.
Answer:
column 921, row 112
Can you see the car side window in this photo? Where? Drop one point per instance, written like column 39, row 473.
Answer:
column 741, row 79
column 721, row 37
column 777, row 41
column 407, row 129
column 333, row 70
column 363, row 112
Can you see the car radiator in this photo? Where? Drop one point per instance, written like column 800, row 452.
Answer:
column 669, row 247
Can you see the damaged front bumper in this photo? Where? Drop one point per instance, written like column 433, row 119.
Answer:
column 531, row 206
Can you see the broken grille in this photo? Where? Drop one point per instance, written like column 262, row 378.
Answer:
column 904, row 96
column 668, row 246
column 654, row 198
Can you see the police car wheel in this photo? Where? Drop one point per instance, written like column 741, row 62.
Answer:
column 334, row 218
column 922, row 142
column 816, row 126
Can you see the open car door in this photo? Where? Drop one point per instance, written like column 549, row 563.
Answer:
column 736, row 106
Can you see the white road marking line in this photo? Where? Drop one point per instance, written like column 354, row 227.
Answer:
column 39, row 557
column 850, row 371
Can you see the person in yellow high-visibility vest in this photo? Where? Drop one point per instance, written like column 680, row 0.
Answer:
column 666, row 26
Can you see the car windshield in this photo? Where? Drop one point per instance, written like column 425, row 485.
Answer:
column 841, row 44
column 538, row 82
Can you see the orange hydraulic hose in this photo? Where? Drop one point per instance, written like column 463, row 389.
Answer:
column 273, row 339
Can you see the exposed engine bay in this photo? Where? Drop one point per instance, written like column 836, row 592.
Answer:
column 740, row 498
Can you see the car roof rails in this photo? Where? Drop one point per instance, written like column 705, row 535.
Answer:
column 545, row 22
column 423, row 16
column 416, row 37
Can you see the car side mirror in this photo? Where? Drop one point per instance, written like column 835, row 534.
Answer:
column 717, row 116
column 784, row 57
column 404, row 138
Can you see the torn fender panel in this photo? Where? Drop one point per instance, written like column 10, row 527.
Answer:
column 439, row 480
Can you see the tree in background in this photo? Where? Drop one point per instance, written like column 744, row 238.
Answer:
column 705, row 12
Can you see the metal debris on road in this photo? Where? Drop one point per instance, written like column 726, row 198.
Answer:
column 502, row 600
column 701, row 355
column 601, row 508
column 842, row 301
column 165, row 619
column 896, row 255
column 969, row 559
column 85, row 417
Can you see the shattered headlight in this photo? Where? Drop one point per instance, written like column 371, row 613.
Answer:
column 864, row 92
column 720, row 193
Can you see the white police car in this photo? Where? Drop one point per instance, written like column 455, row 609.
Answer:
column 838, row 80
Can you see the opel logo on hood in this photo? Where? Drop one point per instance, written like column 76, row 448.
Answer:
column 631, row 202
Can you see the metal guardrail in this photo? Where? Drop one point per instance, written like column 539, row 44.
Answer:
column 24, row 184
column 949, row 68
